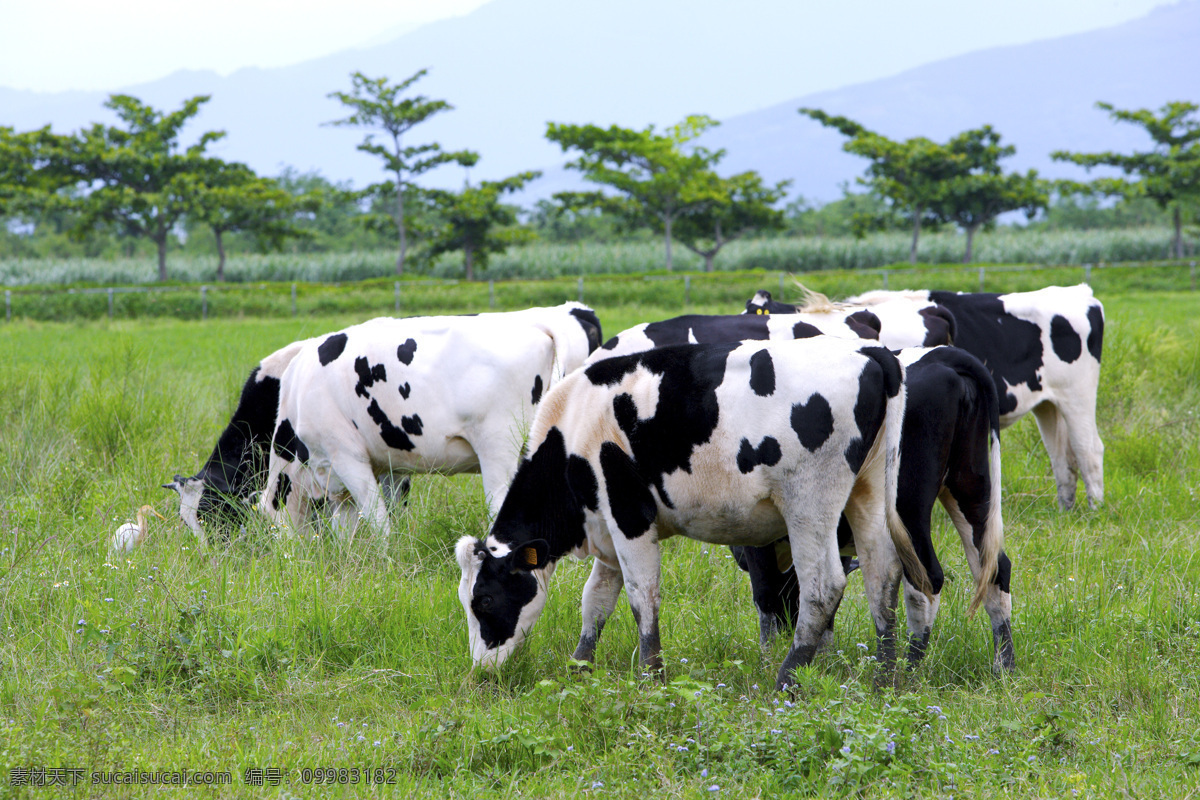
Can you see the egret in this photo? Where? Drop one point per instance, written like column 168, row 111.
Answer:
column 132, row 534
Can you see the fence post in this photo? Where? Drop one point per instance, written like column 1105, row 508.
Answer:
column 8, row 297
column 687, row 290
column 203, row 302
column 1193, row 271
column 397, row 297
column 781, row 287
column 581, row 288
column 1087, row 273
column 885, row 278
column 491, row 294
column 110, row 303
column 981, row 279
column 294, row 300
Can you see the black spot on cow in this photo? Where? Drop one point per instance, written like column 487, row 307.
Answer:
column 392, row 436
column 1065, row 339
column 405, row 390
column 548, row 498
column 282, row 491
column 367, row 376
column 767, row 453
column 864, row 324
column 813, row 421
column 537, row 389
column 405, row 351
column 880, row 377
column 706, row 329
column 287, row 445
column 1009, row 347
column 331, row 348
column 803, row 330
column 762, row 374
column 940, row 327
column 591, row 327
column 1095, row 339
column 412, row 425
column 632, row 504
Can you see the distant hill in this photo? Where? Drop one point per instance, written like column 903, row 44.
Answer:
column 511, row 65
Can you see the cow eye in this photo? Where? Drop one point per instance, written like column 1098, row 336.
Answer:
column 485, row 601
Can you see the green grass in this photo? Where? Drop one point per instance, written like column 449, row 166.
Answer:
column 294, row 654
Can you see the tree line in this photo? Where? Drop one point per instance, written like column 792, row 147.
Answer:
column 135, row 181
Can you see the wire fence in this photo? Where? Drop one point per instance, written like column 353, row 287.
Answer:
column 435, row 295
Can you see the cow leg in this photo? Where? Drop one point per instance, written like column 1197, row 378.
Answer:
column 1087, row 451
column 819, row 577
column 641, row 564
column 284, row 502
column 918, row 490
column 599, row 599
column 879, row 563
column 498, row 459
column 998, row 599
column 774, row 591
column 1055, row 437
column 359, row 479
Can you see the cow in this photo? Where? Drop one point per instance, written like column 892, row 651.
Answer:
column 893, row 323
column 1043, row 351
column 950, row 401
column 422, row 394
column 949, row 451
column 728, row 443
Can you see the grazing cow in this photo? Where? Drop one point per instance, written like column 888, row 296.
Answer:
column 949, row 451
column 1043, row 351
column 733, row 443
column 220, row 493
column 894, row 323
column 423, row 394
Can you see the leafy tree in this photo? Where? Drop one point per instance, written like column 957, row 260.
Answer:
column 380, row 104
column 32, row 171
column 142, row 182
column 853, row 214
column 476, row 222
column 1168, row 174
column 743, row 204
column 907, row 174
column 659, row 181
column 232, row 198
column 576, row 217
column 981, row 191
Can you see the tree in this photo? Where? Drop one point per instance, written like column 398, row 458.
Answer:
column 981, row 191
column 232, row 198
column 907, row 174
column 1168, row 174
column 743, row 204
column 476, row 222
column 660, row 182
column 32, row 171
column 140, row 180
column 379, row 104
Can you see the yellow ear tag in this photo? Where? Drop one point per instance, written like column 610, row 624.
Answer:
column 531, row 556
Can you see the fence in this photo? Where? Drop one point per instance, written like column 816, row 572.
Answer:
column 426, row 295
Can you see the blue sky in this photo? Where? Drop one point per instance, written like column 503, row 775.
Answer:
column 55, row 45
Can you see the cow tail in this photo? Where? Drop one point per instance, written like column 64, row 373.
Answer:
column 914, row 570
column 993, row 530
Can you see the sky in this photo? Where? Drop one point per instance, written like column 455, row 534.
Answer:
column 57, row 45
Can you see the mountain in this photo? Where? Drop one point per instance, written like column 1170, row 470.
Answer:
column 512, row 65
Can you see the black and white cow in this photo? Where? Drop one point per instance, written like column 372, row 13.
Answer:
column 948, row 443
column 422, row 394
column 1043, row 351
column 734, row 443
column 219, row 495
column 949, row 451
column 893, row 323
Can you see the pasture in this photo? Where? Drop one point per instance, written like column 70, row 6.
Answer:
column 300, row 654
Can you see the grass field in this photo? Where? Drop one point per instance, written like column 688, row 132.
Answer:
column 287, row 655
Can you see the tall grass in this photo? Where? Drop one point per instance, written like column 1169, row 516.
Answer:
column 289, row 654
column 545, row 260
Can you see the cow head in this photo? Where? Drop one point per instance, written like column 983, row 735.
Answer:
column 503, row 592
column 762, row 303
column 204, row 505
column 191, row 495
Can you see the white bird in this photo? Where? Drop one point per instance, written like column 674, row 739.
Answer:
column 132, row 534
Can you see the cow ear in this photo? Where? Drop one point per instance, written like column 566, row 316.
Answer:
column 530, row 556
